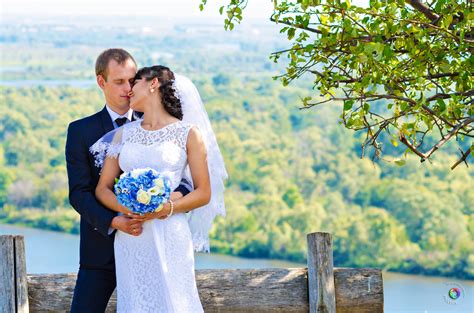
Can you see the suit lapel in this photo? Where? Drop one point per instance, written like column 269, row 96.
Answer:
column 106, row 120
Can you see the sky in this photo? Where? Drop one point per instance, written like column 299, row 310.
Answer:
column 170, row 8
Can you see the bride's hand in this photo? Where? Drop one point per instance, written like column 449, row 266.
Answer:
column 137, row 217
column 163, row 213
column 124, row 210
column 176, row 195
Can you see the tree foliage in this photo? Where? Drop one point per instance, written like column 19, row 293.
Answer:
column 401, row 69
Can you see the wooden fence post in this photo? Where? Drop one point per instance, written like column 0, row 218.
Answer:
column 322, row 296
column 13, row 282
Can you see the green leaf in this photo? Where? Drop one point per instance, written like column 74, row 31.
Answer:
column 348, row 105
column 362, row 58
column 291, row 33
column 447, row 20
column 366, row 107
column 400, row 162
column 442, row 105
column 387, row 51
column 221, row 10
column 349, row 122
column 305, row 100
column 304, row 4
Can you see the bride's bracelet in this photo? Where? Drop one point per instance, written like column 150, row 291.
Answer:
column 172, row 208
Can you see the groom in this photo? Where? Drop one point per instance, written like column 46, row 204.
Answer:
column 115, row 70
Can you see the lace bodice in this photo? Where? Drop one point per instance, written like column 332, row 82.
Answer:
column 176, row 133
column 163, row 150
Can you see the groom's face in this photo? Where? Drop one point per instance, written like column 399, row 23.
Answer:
column 118, row 84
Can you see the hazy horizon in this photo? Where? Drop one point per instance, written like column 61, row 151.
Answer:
column 169, row 8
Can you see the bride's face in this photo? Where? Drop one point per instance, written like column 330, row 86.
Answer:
column 140, row 94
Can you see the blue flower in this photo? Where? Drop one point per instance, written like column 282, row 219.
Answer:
column 146, row 185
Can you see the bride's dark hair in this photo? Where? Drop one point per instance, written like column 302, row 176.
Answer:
column 165, row 76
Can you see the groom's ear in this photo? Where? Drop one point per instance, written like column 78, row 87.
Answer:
column 100, row 81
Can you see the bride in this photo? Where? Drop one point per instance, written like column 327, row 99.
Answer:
column 155, row 271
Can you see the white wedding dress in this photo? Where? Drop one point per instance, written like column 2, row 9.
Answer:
column 155, row 271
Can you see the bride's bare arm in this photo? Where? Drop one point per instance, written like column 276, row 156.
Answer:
column 197, row 160
column 104, row 190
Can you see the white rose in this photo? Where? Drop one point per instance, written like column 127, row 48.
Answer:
column 143, row 197
column 159, row 183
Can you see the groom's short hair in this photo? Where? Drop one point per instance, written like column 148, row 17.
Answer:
column 117, row 54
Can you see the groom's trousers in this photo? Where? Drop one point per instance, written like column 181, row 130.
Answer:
column 93, row 290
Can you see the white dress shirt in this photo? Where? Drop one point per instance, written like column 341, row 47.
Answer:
column 114, row 115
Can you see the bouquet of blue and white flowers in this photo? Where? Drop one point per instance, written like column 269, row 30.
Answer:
column 143, row 190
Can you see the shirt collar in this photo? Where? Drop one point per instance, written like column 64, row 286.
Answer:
column 114, row 115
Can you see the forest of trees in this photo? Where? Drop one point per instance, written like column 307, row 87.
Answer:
column 291, row 172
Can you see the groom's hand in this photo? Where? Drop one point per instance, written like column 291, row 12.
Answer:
column 128, row 225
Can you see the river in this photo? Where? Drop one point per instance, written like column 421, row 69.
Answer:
column 53, row 252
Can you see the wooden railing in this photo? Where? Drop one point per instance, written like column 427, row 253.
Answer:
column 318, row 288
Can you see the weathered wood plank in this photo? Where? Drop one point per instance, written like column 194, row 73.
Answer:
column 51, row 292
column 240, row 290
column 20, row 275
column 322, row 297
column 359, row 290
column 7, row 274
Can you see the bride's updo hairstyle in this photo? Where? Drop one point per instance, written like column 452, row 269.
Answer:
column 165, row 76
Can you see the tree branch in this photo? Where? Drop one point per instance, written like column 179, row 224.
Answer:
column 443, row 140
column 421, row 7
column 463, row 158
column 313, row 30
column 447, row 95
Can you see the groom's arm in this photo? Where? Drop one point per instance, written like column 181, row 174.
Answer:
column 184, row 187
column 81, row 187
